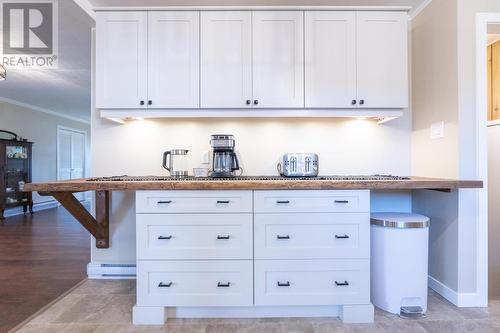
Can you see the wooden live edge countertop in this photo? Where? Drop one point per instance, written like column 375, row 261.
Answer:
column 411, row 183
column 98, row 226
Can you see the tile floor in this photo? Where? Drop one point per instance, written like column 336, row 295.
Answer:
column 104, row 306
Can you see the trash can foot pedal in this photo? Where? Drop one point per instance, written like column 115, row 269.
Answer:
column 413, row 312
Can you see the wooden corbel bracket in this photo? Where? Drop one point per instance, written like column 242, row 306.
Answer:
column 98, row 226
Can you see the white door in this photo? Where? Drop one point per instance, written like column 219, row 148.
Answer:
column 278, row 59
column 71, row 155
column 173, row 60
column 226, row 54
column 382, row 59
column 121, row 60
column 330, row 59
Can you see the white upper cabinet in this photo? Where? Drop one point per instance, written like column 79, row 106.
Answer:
column 121, row 60
column 330, row 59
column 382, row 59
column 251, row 59
column 173, row 59
column 278, row 59
column 226, row 55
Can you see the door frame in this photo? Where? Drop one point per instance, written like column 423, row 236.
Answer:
column 481, row 158
column 58, row 149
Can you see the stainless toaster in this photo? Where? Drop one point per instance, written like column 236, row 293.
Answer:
column 299, row 165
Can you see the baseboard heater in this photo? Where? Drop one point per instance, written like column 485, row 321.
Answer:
column 111, row 271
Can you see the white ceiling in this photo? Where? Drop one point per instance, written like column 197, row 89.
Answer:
column 65, row 90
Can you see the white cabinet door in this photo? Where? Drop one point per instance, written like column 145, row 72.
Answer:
column 382, row 59
column 330, row 59
column 278, row 59
column 226, row 55
column 173, row 60
column 121, row 60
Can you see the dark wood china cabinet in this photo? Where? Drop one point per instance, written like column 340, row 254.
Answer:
column 15, row 171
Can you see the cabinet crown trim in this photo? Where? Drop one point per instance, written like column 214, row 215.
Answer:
column 277, row 8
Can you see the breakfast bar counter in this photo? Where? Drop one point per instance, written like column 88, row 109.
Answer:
column 98, row 226
column 128, row 183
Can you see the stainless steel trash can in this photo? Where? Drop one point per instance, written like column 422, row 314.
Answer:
column 399, row 263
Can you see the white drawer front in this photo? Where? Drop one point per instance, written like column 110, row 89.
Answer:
column 312, row 282
column 194, row 283
column 194, row 236
column 194, row 201
column 312, row 236
column 316, row 201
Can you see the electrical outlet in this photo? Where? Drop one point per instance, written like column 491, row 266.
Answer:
column 437, row 130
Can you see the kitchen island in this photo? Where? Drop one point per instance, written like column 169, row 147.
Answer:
column 63, row 190
column 246, row 246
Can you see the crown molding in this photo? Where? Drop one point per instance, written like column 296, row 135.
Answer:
column 223, row 8
column 417, row 10
column 43, row 110
column 87, row 7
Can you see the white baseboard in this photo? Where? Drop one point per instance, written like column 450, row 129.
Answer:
column 443, row 290
column 461, row 300
column 36, row 207
column 111, row 271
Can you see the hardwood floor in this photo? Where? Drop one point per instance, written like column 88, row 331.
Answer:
column 41, row 257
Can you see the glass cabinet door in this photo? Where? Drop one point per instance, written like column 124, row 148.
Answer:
column 16, row 174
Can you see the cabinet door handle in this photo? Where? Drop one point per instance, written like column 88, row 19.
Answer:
column 248, row 102
column 223, row 285
column 282, row 201
column 165, row 285
column 341, row 284
column 284, row 284
column 222, row 201
column 223, row 237
column 256, row 102
column 283, row 237
column 164, row 202
column 341, row 236
column 354, row 102
column 141, row 102
column 342, row 201
column 165, row 237
column 150, row 102
column 362, row 102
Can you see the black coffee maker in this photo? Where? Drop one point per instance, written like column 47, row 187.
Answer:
column 224, row 159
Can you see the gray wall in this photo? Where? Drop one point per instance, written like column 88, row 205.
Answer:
column 41, row 128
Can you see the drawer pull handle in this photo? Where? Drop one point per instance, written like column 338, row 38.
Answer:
column 223, row 285
column 282, row 201
column 341, row 236
column 164, row 202
column 341, row 284
column 165, row 237
column 283, row 237
column 284, row 284
column 342, row 201
column 223, row 237
column 165, row 285
column 222, row 201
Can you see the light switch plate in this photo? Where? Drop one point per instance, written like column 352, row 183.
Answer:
column 437, row 130
column 205, row 157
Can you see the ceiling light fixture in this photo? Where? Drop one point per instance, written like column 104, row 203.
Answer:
column 3, row 73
